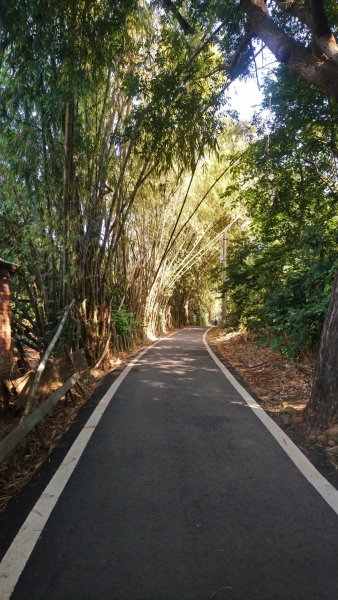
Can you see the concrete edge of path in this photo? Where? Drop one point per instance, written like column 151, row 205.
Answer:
column 17, row 555
column 323, row 487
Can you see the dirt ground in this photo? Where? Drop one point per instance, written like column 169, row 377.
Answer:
column 278, row 381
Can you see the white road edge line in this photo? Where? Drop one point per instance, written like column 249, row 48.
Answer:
column 17, row 555
column 323, row 487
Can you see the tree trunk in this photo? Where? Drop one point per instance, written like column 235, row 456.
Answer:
column 321, row 71
column 5, row 324
column 322, row 409
column 186, row 313
column 67, row 196
column 224, row 264
column 68, row 169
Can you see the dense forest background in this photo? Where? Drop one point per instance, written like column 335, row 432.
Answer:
column 122, row 170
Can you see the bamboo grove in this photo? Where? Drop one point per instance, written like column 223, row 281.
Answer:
column 120, row 168
column 98, row 167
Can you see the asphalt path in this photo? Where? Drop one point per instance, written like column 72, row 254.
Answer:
column 183, row 494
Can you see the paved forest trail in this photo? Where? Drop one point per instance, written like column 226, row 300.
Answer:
column 180, row 491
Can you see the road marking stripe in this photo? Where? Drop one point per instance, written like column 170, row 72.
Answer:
column 323, row 487
column 16, row 557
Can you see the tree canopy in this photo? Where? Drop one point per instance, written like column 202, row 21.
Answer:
column 121, row 168
column 300, row 34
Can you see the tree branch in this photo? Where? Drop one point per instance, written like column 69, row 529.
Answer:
column 320, row 71
column 170, row 7
column 316, row 20
column 320, row 24
column 321, row 30
column 235, row 67
column 299, row 11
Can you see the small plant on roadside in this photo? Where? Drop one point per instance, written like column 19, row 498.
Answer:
column 124, row 321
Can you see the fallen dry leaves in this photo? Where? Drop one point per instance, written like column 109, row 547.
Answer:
column 282, row 385
column 278, row 381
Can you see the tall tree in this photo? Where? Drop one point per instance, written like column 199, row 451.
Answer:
column 301, row 35
column 86, row 122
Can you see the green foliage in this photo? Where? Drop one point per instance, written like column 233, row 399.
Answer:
column 197, row 287
column 103, row 205
column 138, row 110
column 278, row 344
column 281, row 271
column 124, row 321
column 177, row 116
column 281, row 289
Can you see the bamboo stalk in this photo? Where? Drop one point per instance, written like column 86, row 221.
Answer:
column 43, row 362
column 9, row 443
column 106, row 348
